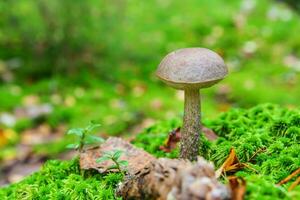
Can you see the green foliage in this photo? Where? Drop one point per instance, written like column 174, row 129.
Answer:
column 269, row 131
column 84, row 137
column 258, row 129
column 114, row 156
column 62, row 180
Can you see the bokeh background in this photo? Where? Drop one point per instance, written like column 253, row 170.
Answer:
column 65, row 63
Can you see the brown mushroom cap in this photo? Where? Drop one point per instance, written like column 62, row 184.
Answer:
column 192, row 68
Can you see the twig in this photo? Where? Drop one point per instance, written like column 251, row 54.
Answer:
column 294, row 184
column 289, row 177
column 257, row 152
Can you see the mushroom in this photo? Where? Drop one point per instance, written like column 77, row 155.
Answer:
column 191, row 69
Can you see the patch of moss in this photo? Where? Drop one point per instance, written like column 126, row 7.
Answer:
column 63, row 180
column 269, row 129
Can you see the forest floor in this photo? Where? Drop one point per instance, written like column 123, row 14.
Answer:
column 265, row 140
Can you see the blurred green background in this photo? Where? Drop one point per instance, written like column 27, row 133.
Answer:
column 64, row 63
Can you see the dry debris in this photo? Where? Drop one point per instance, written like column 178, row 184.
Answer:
column 238, row 187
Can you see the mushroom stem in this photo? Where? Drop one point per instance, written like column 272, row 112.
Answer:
column 189, row 145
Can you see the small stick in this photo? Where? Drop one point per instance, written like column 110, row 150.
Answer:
column 289, row 177
column 257, row 152
column 294, row 184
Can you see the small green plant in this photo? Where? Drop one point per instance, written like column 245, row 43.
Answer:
column 84, row 137
column 114, row 156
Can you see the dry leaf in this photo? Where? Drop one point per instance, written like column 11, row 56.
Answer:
column 238, row 187
column 229, row 163
column 175, row 135
column 232, row 163
column 209, row 134
column 171, row 143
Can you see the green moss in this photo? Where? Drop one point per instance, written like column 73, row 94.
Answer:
column 272, row 131
column 63, row 180
column 269, row 129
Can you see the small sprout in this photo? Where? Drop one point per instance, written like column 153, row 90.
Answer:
column 84, row 137
column 114, row 156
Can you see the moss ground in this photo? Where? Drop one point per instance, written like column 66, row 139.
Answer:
column 269, row 129
column 273, row 130
column 63, row 180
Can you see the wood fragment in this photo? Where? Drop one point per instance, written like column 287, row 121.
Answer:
column 161, row 179
column 137, row 158
column 174, row 179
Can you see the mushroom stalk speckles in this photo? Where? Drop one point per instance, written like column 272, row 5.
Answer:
column 189, row 146
column 191, row 69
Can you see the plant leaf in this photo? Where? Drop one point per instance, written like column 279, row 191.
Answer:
column 123, row 163
column 113, row 167
column 76, row 131
column 92, row 139
column 72, row 146
column 108, row 154
column 102, row 159
column 92, row 126
column 117, row 154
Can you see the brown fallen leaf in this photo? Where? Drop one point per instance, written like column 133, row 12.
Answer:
column 210, row 134
column 175, row 135
column 294, row 184
column 171, row 143
column 289, row 177
column 229, row 163
column 232, row 163
column 238, row 187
